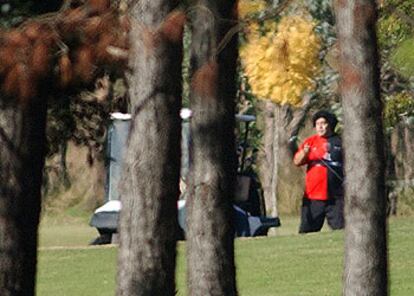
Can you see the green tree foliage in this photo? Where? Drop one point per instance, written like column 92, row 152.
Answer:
column 395, row 23
column 401, row 106
column 403, row 58
column 395, row 40
column 321, row 11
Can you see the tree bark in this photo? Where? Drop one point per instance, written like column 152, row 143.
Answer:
column 277, row 169
column 269, row 167
column 22, row 150
column 289, row 121
column 402, row 150
column 365, row 271
column 409, row 152
column 150, row 180
column 210, row 234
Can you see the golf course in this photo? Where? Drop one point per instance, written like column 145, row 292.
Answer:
column 284, row 264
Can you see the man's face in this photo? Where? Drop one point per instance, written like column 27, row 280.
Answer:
column 322, row 127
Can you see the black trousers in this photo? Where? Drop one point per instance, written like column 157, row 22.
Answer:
column 314, row 213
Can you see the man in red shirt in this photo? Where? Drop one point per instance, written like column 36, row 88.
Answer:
column 323, row 197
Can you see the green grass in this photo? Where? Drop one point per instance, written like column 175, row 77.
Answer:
column 65, row 230
column 288, row 264
column 403, row 58
column 76, row 272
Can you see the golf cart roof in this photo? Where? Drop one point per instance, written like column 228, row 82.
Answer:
column 245, row 117
column 185, row 113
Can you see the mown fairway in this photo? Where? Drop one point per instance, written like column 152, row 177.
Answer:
column 288, row 264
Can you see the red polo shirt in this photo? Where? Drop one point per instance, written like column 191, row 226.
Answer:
column 316, row 181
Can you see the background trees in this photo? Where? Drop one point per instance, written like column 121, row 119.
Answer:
column 394, row 26
column 280, row 68
column 81, row 42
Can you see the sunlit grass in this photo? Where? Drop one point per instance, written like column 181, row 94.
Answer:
column 288, row 264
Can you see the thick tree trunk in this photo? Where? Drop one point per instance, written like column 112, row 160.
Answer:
column 22, row 143
column 210, row 234
column 150, row 180
column 365, row 202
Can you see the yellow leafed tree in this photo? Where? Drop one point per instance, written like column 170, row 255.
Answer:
column 247, row 7
column 280, row 64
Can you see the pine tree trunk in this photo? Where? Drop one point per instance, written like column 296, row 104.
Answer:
column 22, row 143
column 365, row 202
column 210, row 234
column 149, row 189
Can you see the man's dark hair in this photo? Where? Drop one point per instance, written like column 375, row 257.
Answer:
column 330, row 117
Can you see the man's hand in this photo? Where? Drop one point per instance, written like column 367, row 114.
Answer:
column 301, row 157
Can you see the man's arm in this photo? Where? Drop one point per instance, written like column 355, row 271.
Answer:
column 301, row 156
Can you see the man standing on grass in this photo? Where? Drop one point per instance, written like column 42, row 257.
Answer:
column 323, row 196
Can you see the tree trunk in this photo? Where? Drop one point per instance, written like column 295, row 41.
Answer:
column 403, row 151
column 365, row 270
column 269, row 167
column 288, row 123
column 277, row 169
column 409, row 152
column 22, row 143
column 210, row 234
column 150, row 180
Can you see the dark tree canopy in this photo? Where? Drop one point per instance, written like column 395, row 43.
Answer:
column 80, row 47
column 14, row 12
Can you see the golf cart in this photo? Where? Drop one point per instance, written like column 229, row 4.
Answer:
column 249, row 208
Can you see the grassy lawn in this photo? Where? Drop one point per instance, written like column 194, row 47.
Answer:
column 287, row 264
